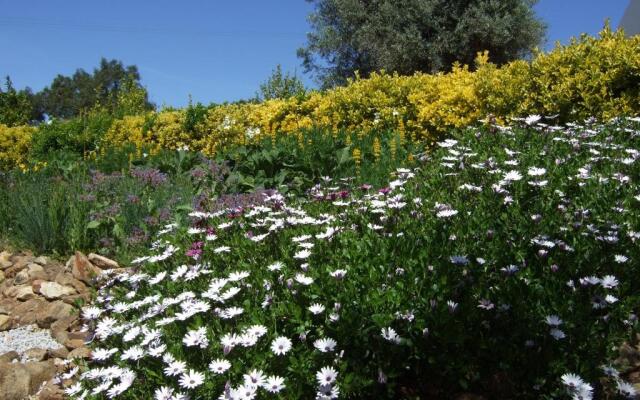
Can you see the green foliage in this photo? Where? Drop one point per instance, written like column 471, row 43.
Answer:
column 77, row 136
column 16, row 107
column 111, row 86
column 414, row 35
column 280, row 86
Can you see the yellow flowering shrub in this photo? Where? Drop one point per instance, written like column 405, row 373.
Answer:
column 167, row 130
column 127, row 130
column 591, row 77
column 14, row 145
column 597, row 77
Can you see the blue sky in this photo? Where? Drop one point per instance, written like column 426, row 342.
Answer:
column 211, row 50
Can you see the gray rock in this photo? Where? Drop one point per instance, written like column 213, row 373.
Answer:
column 21, row 278
column 41, row 260
column 54, row 290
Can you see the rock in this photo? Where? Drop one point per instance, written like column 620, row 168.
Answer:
column 82, row 299
column 79, row 335
column 73, row 344
column 102, row 262
column 36, row 271
column 41, row 260
column 9, row 356
column 83, row 270
column 66, row 279
column 51, row 391
column 54, row 290
column 5, row 260
column 36, row 354
column 63, row 324
column 52, row 312
column 60, row 336
column 80, row 352
column 61, row 352
column 5, row 322
column 22, row 292
column 1, row 276
column 18, row 381
column 24, row 313
column 21, row 278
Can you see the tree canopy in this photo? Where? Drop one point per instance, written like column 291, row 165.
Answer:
column 16, row 107
column 68, row 96
column 280, row 85
column 407, row 36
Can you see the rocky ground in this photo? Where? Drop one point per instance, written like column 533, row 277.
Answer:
column 42, row 339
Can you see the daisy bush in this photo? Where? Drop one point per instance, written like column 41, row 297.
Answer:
column 505, row 265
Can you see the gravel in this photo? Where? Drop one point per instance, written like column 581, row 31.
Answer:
column 26, row 337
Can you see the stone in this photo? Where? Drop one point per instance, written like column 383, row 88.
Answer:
column 36, row 354
column 76, row 299
column 36, row 271
column 73, row 344
column 54, row 290
column 60, row 336
column 9, row 356
column 21, row 278
column 24, row 313
column 60, row 352
column 68, row 280
column 5, row 260
column 80, row 352
column 102, row 262
column 83, row 270
column 42, row 260
column 1, row 276
column 52, row 312
column 5, row 322
column 51, row 391
column 19, row 381
column 63, row 324
column 21, row 293
column 79, row 335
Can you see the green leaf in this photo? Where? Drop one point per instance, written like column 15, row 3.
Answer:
column 93, row 224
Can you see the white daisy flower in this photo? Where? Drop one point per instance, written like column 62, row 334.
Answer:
column 512, row 176
column 390, row 335
column 535, row 171
column 175, row 368
column 316, row 308
column 255, row 377
column 191, row 379
column 276, row 266
column 302, row 254
column 274, row 384
column 281, row 345
column 326, row 376
column 219, row 366
column 325, row 345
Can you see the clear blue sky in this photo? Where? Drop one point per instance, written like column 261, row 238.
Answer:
column 214, row 50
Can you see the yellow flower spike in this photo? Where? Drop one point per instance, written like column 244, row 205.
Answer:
column 356, row 154
column 377, row 149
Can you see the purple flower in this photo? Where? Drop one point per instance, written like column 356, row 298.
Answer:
column 149, row 176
